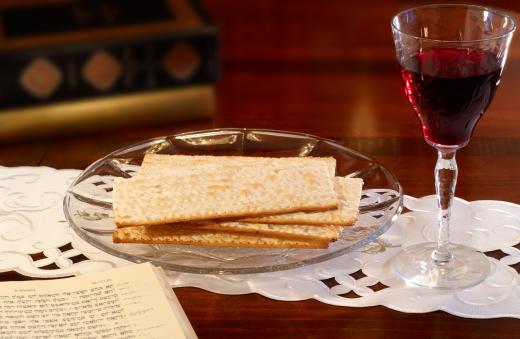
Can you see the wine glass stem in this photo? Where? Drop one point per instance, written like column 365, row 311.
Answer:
column 445, row 182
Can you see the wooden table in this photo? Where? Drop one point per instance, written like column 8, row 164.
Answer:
column 326, row 68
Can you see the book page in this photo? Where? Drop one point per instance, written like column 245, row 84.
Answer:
column 128, row 302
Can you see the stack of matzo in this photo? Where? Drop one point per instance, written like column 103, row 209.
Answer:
column 235, row 201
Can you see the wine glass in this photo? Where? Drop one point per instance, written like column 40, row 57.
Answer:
column 451, row 59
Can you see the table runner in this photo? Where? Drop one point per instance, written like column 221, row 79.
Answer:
column 36, row 241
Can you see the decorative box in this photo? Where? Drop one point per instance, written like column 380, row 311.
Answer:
column 64, row 52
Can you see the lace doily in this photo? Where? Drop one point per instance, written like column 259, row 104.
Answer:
column 36, row 241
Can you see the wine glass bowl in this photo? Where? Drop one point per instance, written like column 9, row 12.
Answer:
column 451, row 59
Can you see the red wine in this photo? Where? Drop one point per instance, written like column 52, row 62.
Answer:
column 450, row 89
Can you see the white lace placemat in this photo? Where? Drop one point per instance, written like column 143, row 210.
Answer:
column 36, row 241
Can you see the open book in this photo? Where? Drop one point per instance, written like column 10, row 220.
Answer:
column 130, row 302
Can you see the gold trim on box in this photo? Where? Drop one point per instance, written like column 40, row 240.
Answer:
column 186, row 19
column 101, row 114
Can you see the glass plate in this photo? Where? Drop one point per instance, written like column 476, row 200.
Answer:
column 88, row 202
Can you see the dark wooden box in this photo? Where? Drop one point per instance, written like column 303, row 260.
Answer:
column 64, row 52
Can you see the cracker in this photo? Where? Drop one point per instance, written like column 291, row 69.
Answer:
column 164, row 234
column 323, row 232
column 349, row 194
column 209, row 193
column 348, row 189
column 160, row 162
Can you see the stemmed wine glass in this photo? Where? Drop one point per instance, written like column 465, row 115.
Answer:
column 451, row 59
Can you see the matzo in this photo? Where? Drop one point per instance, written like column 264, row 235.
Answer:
column 322, row 232
column 208, row 194
column 349, row 193
column 164, row 162
column 164, row 234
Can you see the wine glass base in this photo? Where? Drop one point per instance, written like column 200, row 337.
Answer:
column 466, row 268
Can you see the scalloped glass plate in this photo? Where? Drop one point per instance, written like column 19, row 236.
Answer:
column 88, row 202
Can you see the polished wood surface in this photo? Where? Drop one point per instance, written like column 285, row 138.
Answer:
column 326, row 68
